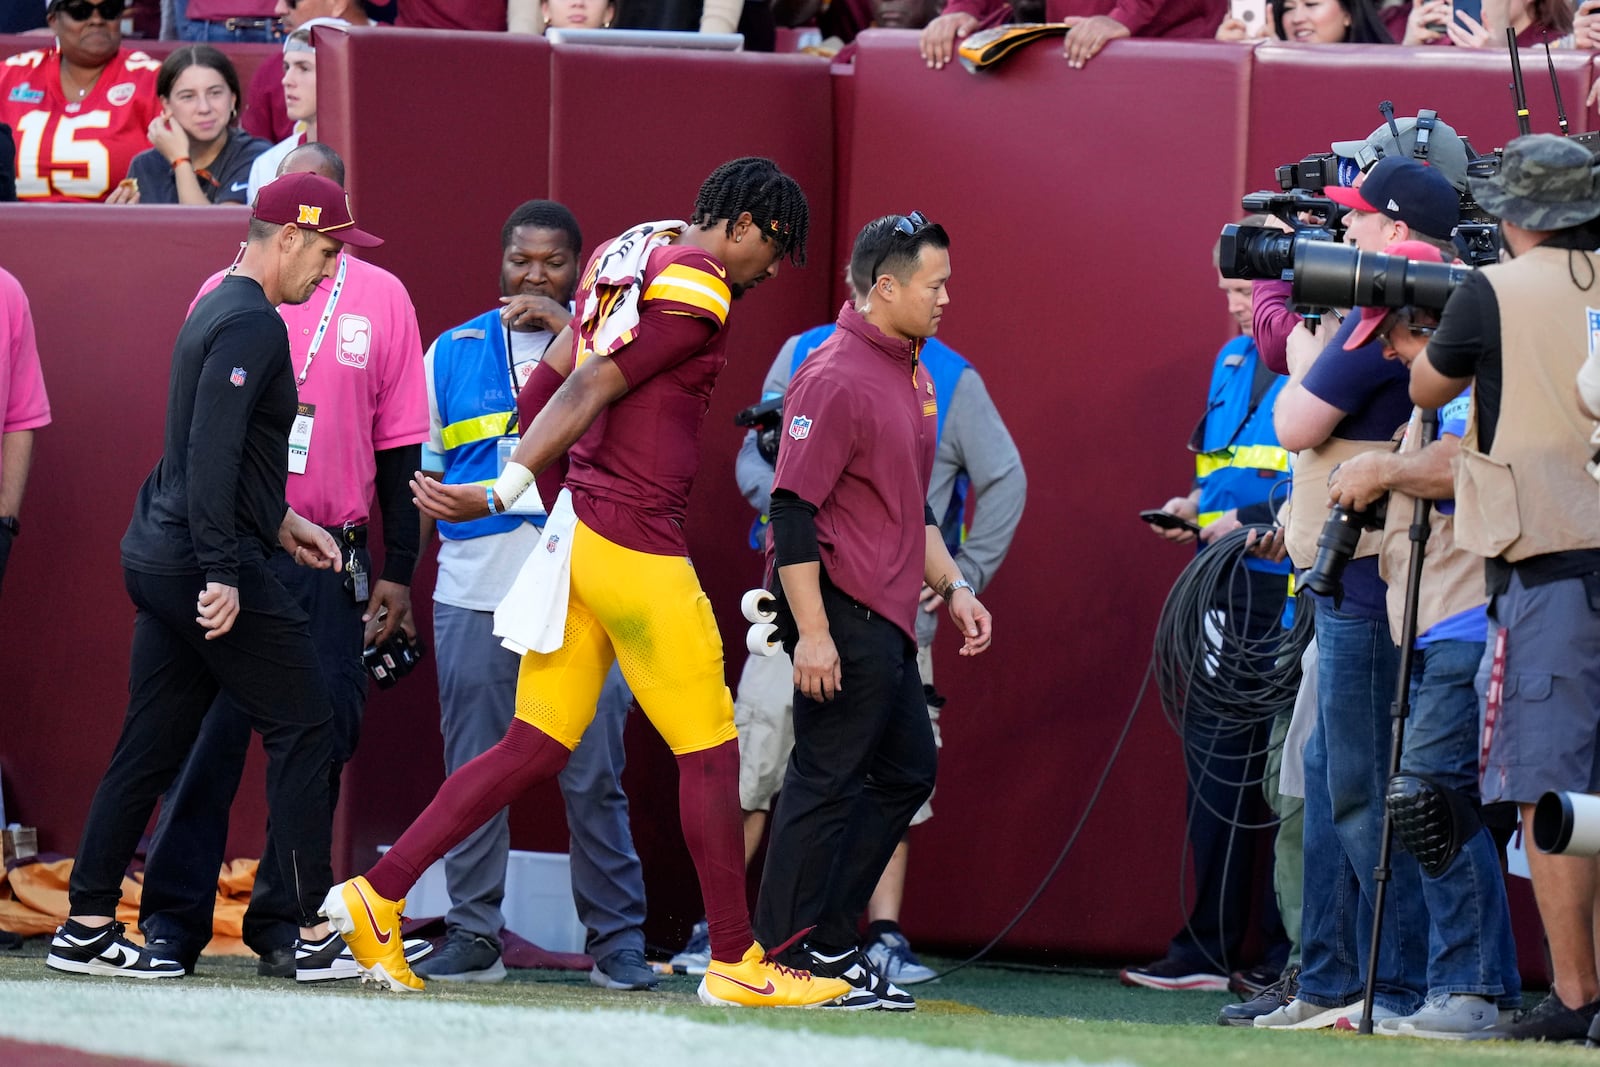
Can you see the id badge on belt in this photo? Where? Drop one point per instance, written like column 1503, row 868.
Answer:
column 300, row 438
column 355, row 576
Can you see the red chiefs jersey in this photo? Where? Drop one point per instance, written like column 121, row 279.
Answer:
column 76, row 150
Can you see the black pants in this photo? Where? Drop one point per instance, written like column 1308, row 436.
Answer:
column 862, row 765
column 191, row 837
column 1225, row 760
column 266, row 663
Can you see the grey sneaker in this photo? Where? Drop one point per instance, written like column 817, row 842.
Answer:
column 465, row 957
column 1444, row 1017
column 696, row 955
column 1298, row 1014
column 623, row 969
column 891, row 956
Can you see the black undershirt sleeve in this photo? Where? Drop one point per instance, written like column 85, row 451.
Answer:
column 400, row 529
column 1467, row 345
column 927, row 516
column 794, row 529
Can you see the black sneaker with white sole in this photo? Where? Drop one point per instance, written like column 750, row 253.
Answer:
column 104, row 950
column 868, row 988
column 329, row 960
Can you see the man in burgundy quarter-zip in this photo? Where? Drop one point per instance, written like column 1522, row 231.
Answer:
column 854, row 541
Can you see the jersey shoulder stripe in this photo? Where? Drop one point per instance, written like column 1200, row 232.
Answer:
column 692, row 286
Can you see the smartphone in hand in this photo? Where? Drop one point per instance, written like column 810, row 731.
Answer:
column 1166, row 520
column 1253, row 13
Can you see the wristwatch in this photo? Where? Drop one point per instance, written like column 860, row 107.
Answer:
column 10, row 523
column 959, row 583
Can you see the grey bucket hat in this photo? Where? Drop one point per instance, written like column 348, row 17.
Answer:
column 1446, row 149
column 1545, row 182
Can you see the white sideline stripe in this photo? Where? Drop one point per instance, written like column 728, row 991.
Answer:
column 210, row 1027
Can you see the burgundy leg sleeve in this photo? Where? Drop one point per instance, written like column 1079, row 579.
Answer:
column 713, row 828
column 524, row 757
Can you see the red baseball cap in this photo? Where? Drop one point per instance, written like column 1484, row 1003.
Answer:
column 1372, row 318
column 313, row 203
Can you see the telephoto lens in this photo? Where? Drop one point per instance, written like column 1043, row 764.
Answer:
column 1336, row 546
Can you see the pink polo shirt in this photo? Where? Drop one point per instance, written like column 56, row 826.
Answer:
column 366, row 382
column 22, row 396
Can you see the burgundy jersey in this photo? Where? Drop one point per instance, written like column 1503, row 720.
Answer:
column 631, row 471
column 487, row 15
column 76, row 150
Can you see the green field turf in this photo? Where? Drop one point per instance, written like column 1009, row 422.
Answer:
column 984, row 1016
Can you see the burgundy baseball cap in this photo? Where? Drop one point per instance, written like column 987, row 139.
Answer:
column 1421, row 197
column 1372, row 318
column 314, row 203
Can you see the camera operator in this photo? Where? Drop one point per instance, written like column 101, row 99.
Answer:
column 1337, row 405
column 1472, row 960
column 1445, row 150
column 1522, row 328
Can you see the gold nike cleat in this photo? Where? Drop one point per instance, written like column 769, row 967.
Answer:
column 758, row 982
column 370, row 925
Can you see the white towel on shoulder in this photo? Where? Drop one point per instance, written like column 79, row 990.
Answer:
column 611, row 306
column 533, row 615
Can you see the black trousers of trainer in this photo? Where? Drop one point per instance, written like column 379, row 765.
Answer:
column 267, row 663
column 180, row 882
column 862, row 765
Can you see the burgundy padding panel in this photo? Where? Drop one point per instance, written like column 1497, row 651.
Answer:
column 246, row 57
column 443, row 134
column 106, row 348
column 617, row 166
column 1082, row 206
column 1304, row 97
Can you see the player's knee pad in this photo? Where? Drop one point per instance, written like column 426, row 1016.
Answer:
column 1433, row 822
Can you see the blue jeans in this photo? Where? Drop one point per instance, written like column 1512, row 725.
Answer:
column 213, row 32
column 1470, row 947
column 1347, row 767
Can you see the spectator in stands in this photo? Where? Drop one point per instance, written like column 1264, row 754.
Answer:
column 1093, row 22
column 842, row 19
column 886, row 14
column 234, row 21
column 89, row 102
column 197, row 154
column 473, row 422
column 24, row 406
column 363, row 416
column 577, row 14
column 264, row 112
column 300, row 100
column 1535, row 21
column 493, row 16
column 1241, row 477
column 1330, row 22
column 753, row 19
column 1519, row 331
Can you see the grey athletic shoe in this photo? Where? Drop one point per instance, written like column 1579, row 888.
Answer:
column 465, row 957
column 623, row 969
column 696, row 955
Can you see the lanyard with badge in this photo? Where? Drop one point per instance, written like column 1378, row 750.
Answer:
column 507, row 444
column 306, row 414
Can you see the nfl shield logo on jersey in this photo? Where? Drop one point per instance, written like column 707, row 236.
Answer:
column 799, row 427
column 551, row 542
column 237, row 377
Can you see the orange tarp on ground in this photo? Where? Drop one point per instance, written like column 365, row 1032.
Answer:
column 33, row 900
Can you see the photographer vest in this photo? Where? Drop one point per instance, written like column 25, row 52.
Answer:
column 1530, row 495
column 1452, row 577
column 1308, row 501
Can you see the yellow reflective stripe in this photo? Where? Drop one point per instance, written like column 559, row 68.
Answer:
column 1208, row 517
column 1253, row 457
column 477, row 429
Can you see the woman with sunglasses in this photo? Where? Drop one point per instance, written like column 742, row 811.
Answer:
column 197, row 155
column 79, row 112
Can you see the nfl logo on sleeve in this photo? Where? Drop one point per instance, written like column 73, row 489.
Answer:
column 237, row 377
column 799, row 427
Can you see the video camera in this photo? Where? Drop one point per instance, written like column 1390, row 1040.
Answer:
column 764, row 418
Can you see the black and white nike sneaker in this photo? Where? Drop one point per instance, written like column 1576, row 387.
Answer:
column 80, row 949
column 329, row 960
column 868, row 988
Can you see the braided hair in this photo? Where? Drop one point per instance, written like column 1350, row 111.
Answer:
column 774, row 200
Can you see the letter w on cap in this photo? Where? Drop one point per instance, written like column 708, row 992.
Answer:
column 309, row 216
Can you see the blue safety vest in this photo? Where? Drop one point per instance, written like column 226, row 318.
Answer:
column 945, row 366
column 472, row 388
column 1244, row 463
